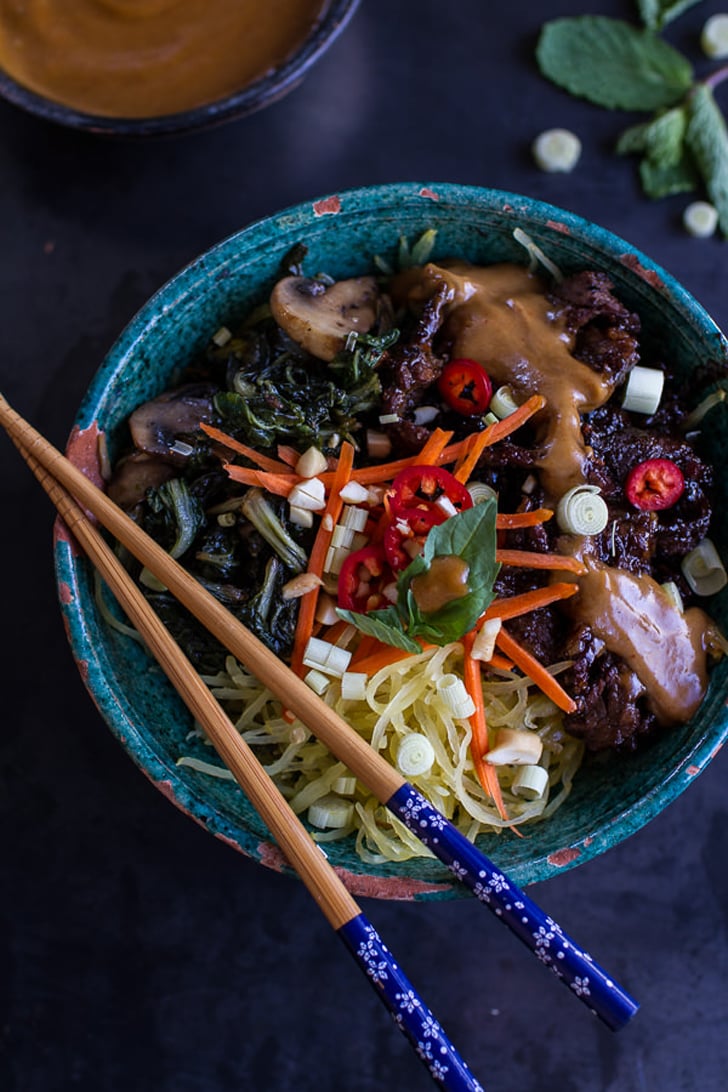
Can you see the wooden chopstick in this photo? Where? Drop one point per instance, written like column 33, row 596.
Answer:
column 332, row 897
column 468, row 864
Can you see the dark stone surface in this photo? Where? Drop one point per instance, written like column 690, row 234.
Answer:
column 136, row 952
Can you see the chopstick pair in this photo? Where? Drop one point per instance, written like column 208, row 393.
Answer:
column 544, row 937
column 411, row 1014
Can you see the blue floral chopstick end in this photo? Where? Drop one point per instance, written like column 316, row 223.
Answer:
column 575, row 967
column 410, row 1013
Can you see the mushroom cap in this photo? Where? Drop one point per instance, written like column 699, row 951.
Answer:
column 319, row 317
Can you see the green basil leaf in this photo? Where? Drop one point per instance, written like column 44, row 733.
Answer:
column 470, row 535
column 612, row 63
column 385, row 625
column 707, row 139
column 656, row 14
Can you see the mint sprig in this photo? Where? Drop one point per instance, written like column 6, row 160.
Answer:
column 684, row 144
column 469, row 535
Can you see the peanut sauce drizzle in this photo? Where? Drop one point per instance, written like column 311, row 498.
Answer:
column 499, row 316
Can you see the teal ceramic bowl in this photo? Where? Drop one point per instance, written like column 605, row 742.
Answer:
column 613, row 797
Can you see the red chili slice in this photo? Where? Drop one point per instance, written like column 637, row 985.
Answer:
column 654, row 484
column 465, row 387
column 405, row 535
column 423, row 486
column 362, row 580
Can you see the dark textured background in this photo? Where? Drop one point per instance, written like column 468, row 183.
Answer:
column 137, row 952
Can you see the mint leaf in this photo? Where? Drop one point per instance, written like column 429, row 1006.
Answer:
column 660, row 181
column 656, row 14
column 613, row 64
column 707, row 139
column 386, row 625
column 665, row 137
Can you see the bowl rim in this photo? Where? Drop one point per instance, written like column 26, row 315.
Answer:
column 296, row 217
column 264, row 91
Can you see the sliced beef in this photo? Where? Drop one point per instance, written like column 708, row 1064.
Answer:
column 606, row 333
column 611, row 711
column 408, row 370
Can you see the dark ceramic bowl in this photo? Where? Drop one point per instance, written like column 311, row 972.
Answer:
column 254, row 96
column 612, row 796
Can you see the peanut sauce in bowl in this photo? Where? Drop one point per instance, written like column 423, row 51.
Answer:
column 145, row 66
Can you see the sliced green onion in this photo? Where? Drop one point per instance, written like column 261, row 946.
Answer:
column 344, row 786
column 714, row 37
column 703, row 569
column 556, row 150
column 514, row 747
column 317, row 681
column 354, row 685
column 530, row 782
column 700, row 219
column 330, row 813
column 455, row 696
column 503, row 404
column 342, row 536
column 415, row 755
column 354, row 518
column 644, row 390
column 582, row 511
column 325, row 657
column 480, row 492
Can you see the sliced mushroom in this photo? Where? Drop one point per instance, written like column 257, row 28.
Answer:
column 156, row 425
column 319, row 316
column 136, row 473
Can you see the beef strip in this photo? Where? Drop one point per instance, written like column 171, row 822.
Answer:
column 611, row 704
column 408, row 370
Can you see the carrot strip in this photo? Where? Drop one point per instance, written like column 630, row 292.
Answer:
column 500, row 662
column 534, row 560
column 280, row 484
column 487, row 775
column 367, row 645
column 287, row 454
column 497, row 431
column 261, row 461
column 383, row 657
column 434, row 447
column 513, row 520
column 515, row 605
column 466, row 462
column 321, row 543
column 535, row 671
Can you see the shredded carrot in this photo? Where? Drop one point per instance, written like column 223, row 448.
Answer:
column 501, row 662
column 497, row 431
column 288, row 455
column 261, row 461
column 322, row 541
column 534, row 560
column 467, row 461
column 514, row 605
column 535, row 671
column 514, row 520
column 367, row 645
column 487, row 775
column 280, row 484
column 434, row 447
